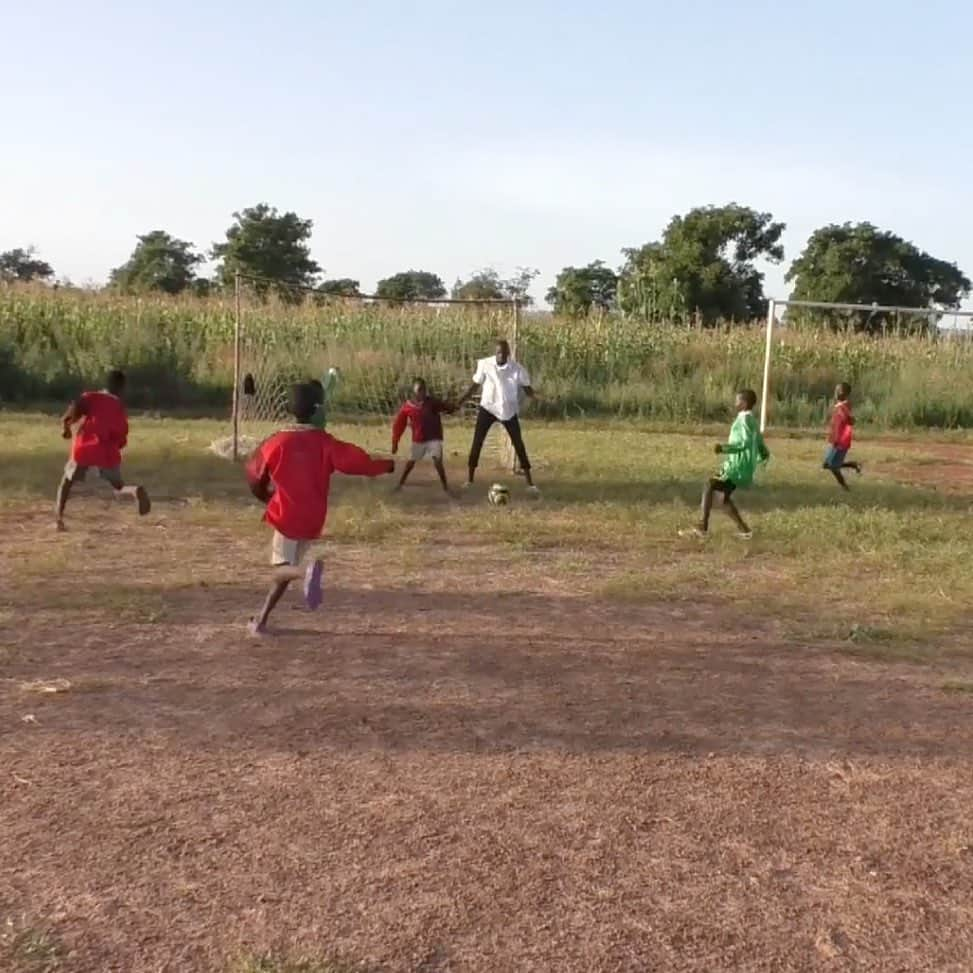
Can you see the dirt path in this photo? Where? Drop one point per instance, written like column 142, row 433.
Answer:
column 472, row 782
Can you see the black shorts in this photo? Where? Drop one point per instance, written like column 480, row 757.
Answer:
column 726, row 487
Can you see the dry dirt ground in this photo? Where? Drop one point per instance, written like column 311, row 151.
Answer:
column 480, row 770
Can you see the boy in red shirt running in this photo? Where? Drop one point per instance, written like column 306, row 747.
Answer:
column 840, row 435
column 102, row 432
column 423, row 413
column 291, row 473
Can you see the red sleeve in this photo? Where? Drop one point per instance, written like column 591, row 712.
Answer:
column 398, row 427
column 258, row 474
column 354, row 461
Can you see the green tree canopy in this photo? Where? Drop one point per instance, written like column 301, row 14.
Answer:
column 271, row 246
column 579, row 289
column 488, row 285
column 860, row 264
column 23, row 266
column 159, row 262
column 705, row 263
column 342, row 287
column 411, row 285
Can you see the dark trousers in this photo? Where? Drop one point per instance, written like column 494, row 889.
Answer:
column 484, row 422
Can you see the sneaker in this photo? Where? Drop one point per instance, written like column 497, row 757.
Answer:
column 745, row 535
column 312, row 585
column 468, row 485
column 59, row 526
column 533, row 491
column 256, row 631
column 145, row 504
column 860, row 468
column 696, row 532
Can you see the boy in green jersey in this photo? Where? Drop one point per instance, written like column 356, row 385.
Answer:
column 323, row 390
column 744, row 450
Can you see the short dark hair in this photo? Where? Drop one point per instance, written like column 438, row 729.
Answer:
column 748, row 396
column 304, row 401
column 503, row 343
column 843, row 390
column 115, row 382
column 318, row 389
column 419, row 381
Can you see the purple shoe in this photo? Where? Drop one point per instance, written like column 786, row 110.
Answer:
column 312, row 585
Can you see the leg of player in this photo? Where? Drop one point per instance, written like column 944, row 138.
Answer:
column 836, row 472
column 731, row 508
column 137, row 493
column 63, row 492
column 517, row 440
column 409, row 467
column 484, row 422
column 706, row 507
column 437, row 461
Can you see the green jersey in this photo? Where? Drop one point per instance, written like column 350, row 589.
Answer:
column 744, row 450
column 328, row 384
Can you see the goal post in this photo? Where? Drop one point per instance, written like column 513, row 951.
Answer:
column 284, row 334
column 932, row 315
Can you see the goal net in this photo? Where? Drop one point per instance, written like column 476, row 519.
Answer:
column 377, row 348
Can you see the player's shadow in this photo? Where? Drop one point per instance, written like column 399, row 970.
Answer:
column 487, row 672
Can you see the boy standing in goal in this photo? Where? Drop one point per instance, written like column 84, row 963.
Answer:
column 291, row 472
column 744, row 450
column 98, row 423
column 423, row 412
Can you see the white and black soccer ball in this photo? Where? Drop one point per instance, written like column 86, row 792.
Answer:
column 499, row 495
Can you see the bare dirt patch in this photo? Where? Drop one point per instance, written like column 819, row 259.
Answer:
column 944, row 467
column 477, row 771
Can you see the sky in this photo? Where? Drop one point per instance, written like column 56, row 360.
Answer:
column 455, row 136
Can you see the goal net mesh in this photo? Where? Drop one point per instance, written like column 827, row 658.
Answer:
column 377, row 349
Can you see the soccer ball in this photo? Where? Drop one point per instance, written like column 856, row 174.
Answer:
column 499, row 495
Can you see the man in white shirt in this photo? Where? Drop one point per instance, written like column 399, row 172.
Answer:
column 501, row 379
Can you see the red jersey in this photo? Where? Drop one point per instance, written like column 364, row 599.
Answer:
column 424, row 418
column 103, row 432
column 299, row 462
column 839, row 433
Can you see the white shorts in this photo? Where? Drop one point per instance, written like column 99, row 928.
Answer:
column 433, row 449
column 285, row 550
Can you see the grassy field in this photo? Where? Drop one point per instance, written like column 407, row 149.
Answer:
column 550, row 736
column 179, row 355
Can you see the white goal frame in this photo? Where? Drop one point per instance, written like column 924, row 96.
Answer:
column 515, row 304
column 773, row 306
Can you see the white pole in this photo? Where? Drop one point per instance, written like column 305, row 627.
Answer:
column 767, row 350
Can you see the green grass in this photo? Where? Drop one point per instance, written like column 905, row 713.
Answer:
column 27, row 949
column 876, row 571
column 178, row 353
column 275, row 964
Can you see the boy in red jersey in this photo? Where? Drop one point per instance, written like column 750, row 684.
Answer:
column 840, row 436
column 423, row 413
column 102, row 432
column 291, row 473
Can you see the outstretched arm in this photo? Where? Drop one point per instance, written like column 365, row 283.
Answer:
column 73, row 414
column 354, row 461
column 398, row 427
column 468, row 394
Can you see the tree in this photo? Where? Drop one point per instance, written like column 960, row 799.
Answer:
column 411, row 285
column 270, row 246
column 159, row 262
column 488, row 285
column 343, row 287
column 579, row 289
column 704, row 263
column 860, row 264
column 23, row 266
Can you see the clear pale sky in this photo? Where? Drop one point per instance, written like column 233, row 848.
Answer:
column 453, row 136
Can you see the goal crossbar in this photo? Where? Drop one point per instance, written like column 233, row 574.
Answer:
column 773, row 306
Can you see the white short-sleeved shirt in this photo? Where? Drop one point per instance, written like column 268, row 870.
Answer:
column 500, row 394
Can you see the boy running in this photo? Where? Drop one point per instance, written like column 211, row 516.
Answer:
column 744, row 450
column 423, row 413
column 840, row 435
column 99, row 425
column 291, row 473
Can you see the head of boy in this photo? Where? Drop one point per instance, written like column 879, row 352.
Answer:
column 503, row 352
column 318, row 391
column 115, row 382
column 746, row 400
column 842, row 392
column 304, row 402
column 419, row 391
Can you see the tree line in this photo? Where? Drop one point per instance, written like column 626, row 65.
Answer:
column 703, row 268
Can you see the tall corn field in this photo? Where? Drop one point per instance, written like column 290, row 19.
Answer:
column 179, row 354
